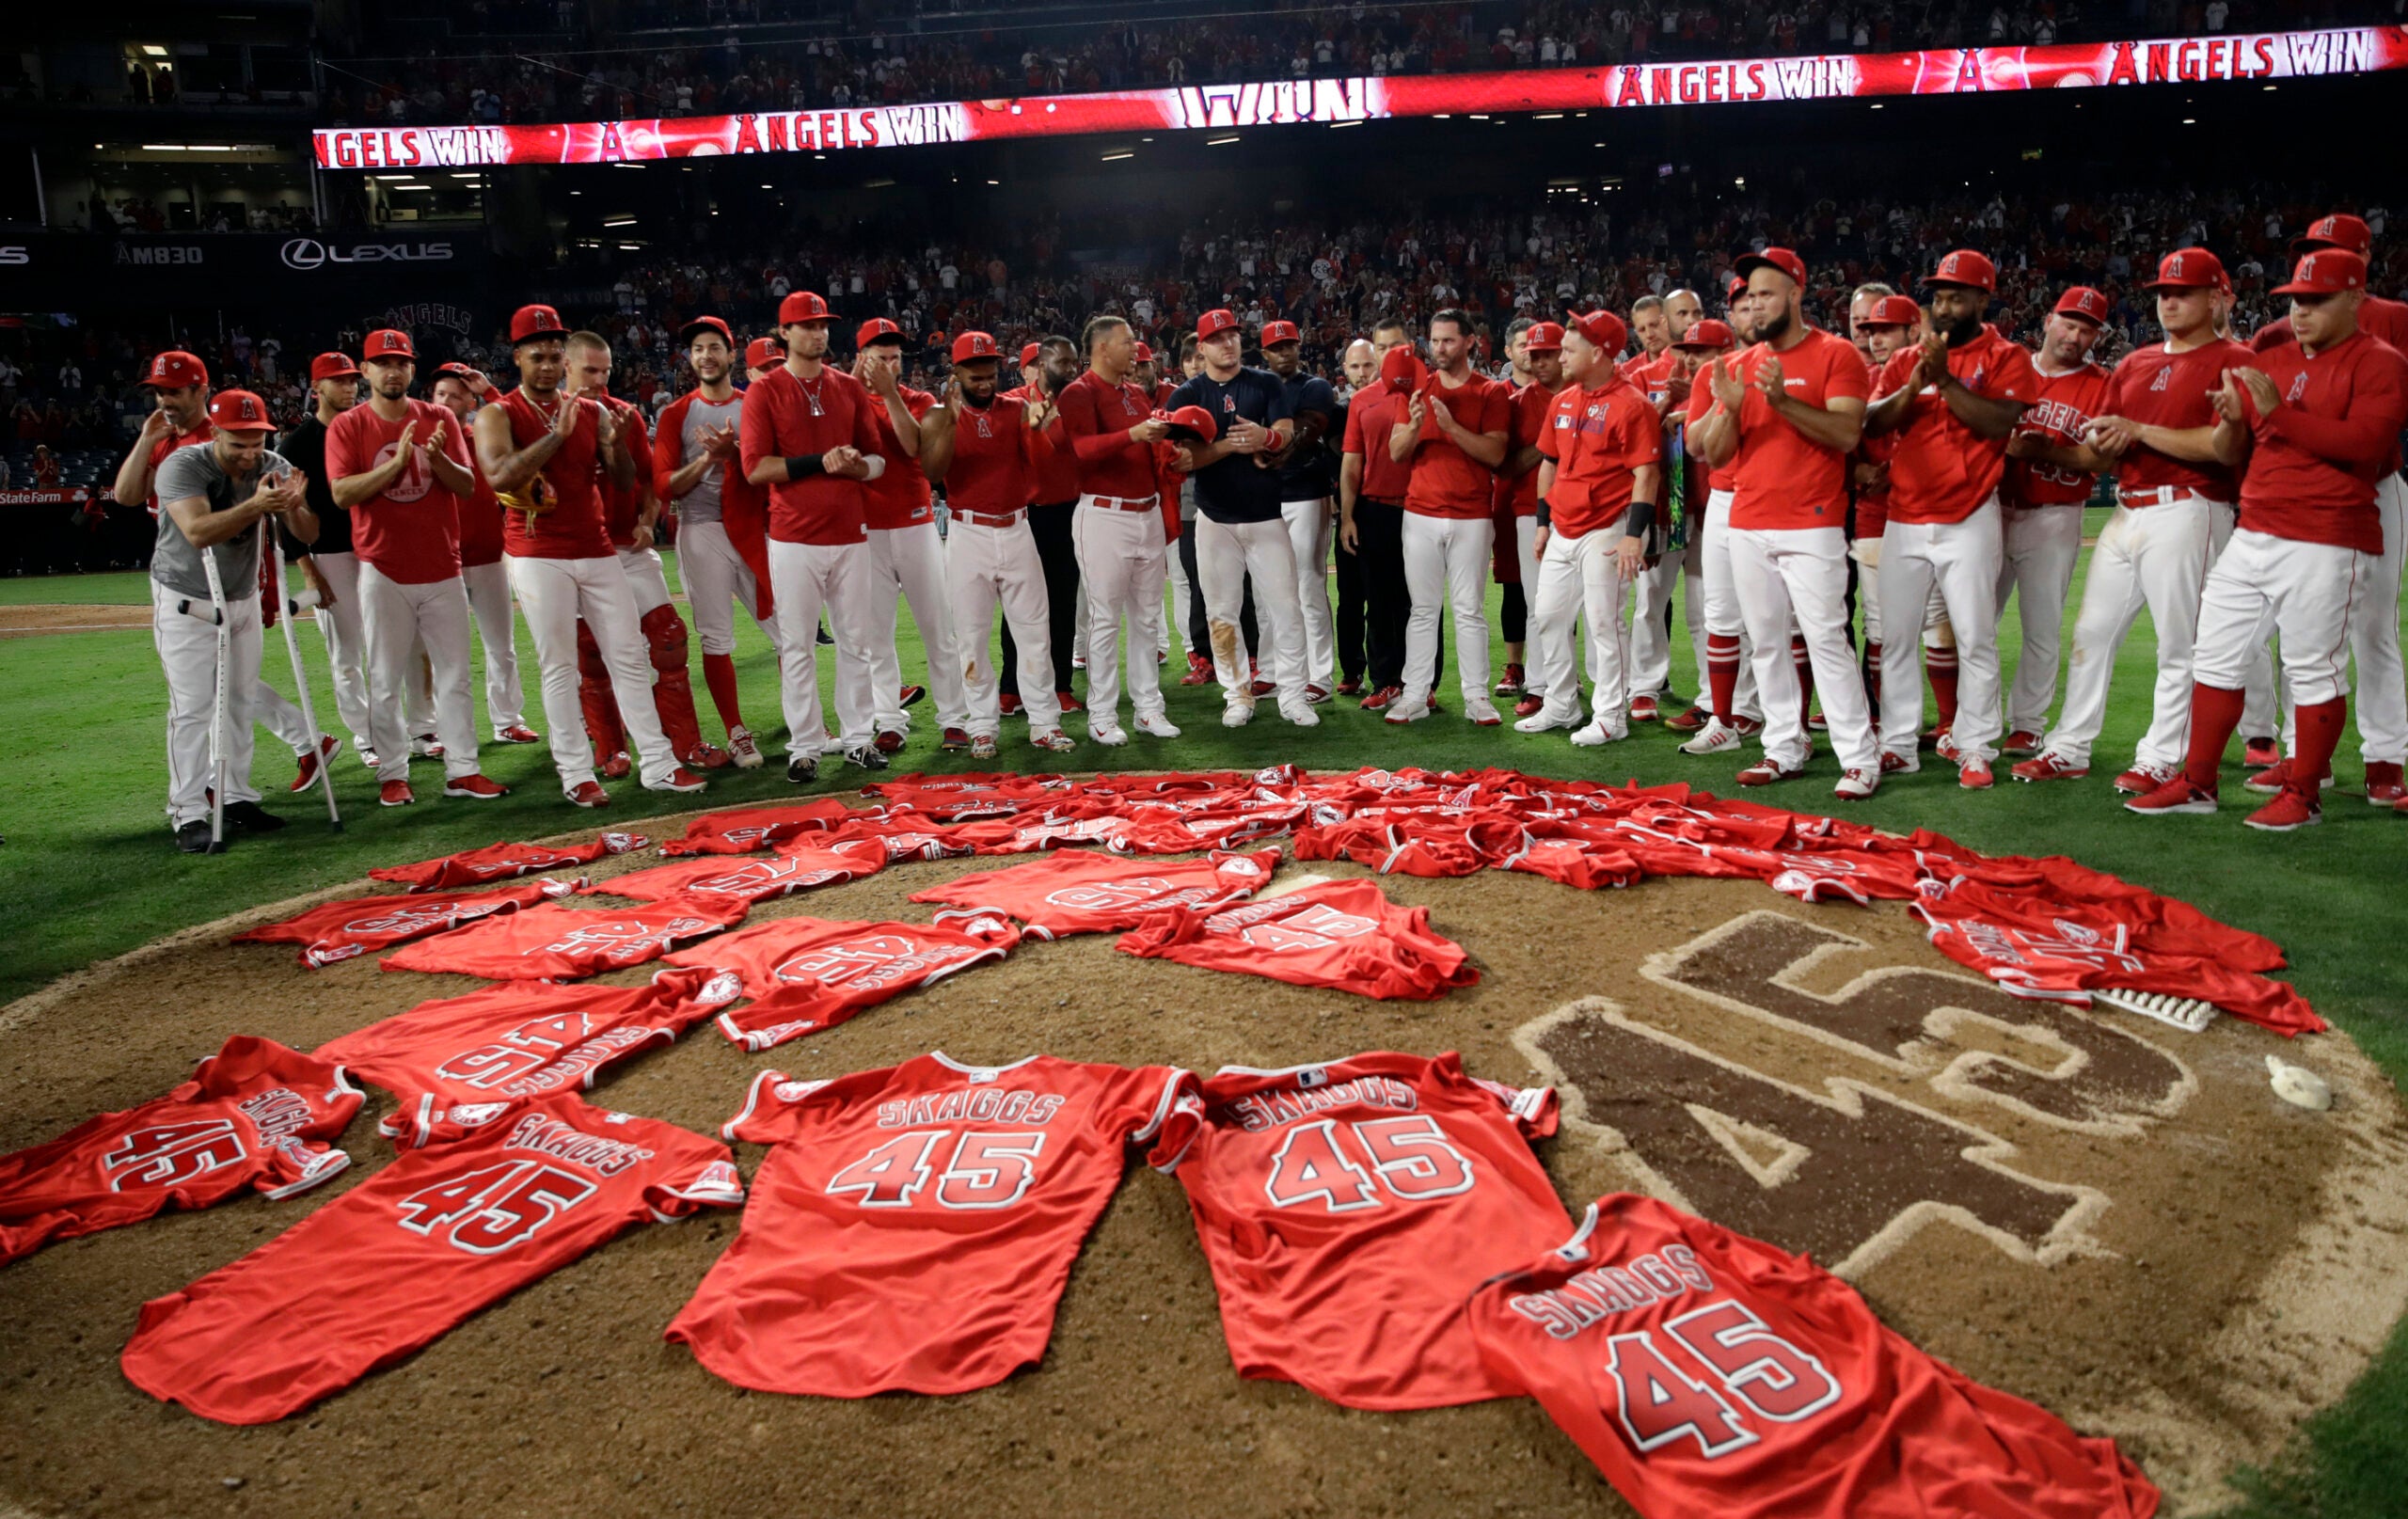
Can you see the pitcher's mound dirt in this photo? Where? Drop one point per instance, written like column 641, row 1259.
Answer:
column 2108, row 1216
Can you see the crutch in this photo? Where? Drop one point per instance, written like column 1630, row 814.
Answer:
column 217, row 707
column 293, row 605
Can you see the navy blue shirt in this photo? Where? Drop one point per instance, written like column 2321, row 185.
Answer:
column 1310, row 474
column 1235, row 488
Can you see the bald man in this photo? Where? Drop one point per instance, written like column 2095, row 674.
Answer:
column 1361, row 364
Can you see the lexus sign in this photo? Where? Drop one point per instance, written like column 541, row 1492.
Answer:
column 305, row 253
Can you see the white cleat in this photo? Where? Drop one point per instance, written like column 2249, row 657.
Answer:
column 1402, row 710
column 1301, row 713
column 1857, row 784
column 1109, row 734
column 1156, row 726
column 1716, row 738
column 741, row 744
column 1596, row 735
column 1545, row 721
column 1236, row 714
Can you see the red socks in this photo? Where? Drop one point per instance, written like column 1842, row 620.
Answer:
column 1722, row 672
column 1941, row 666
column 2214, row 713
column 1873, row 673
column 1805, row 665
column 719, row 673
column 2319, row 733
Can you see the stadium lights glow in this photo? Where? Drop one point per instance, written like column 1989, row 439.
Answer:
column 1480, row 115
column 994, row 182
column 1876, row 106
column 466, row 176
column 619, row 221
column 1125, row 153
column 153, row 50
column 878, row 184
column 631, row 248
column 1220, row 142
column 394, row 177
column 1335, row 125
column 2190, row 120
column 1549, row 116
column 413, row 188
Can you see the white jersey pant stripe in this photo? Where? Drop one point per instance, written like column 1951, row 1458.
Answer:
column 1721, row 617
column 908, row 564
column 984, row 567
column 1309, row 525
column 1579, row 580
column 187, row 648
column 1226, row 554
column 489, row 604
column 717, row 579
column 552, row 594
column 1120, row 578
column 1446, row 566
column 805, row 580
column 2374, row 640
column 1795, row 579
column 2308, row 593
column 402, row 618
column 2042, row 544
column 1961, row 560
column 2155, row 557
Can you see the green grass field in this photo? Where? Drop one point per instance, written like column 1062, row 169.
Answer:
column 89, row 871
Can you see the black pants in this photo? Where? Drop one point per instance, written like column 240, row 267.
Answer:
column 1378, row 531
column 1199, row 627
column 1351, row 609
column 1051, row 526
column 1513, row 613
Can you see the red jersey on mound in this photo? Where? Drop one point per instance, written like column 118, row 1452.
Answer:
column 1086, row 893
column 806, row 974
column 1348, row 1210
column 796, row 867
column 949, row 799
column 914, row 1225
column 484, row 1199
column 500, row 861
column 1342, row 934
column 359, row 926
column 254, row 1114
column 564, row 944
column 749, row 829
column 523, row 1039
column 1709, row 1373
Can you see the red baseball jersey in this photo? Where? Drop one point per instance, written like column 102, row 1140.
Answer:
column 786, row 417
column 2314, row 461
column 623, row 506
column 1779, row 478
column 807, row 974
column 484, row 1199
column 523, row 1038
column 2061, row 408
column 1348, row 1210
column 903, row 836
column 798, row 866
column 998, row 459
column 500, row 861
column 1088, row 893
column 899, row 497
column 556, row 942
column 411, row 531
column 1596, row 438
column 913, row 1226
column 1057, row 467
column 359, row 926
column 254, row 1114
column 1872, row 502
column 480, row 531
column 748, row 830
column 1709, row 1373
column 1371, row 416
column 1447, row 481
column 1343, row 934
column 1942, row 471
column 1533, row 405
column 974, row 794
column 2167, row 389
column 570, row 525
column 1096, row 416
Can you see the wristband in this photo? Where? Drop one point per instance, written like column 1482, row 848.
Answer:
column 801, row 465
column 877, row 462
column 1544, row 520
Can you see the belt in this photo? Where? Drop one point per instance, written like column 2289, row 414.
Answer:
column 2163, row 495
column 1124, row 503
column 986, row 519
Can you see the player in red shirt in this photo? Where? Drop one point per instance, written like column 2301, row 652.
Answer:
column 2172, row 517
column 1784, row 413
column 1604, row 449
column 1705, row 510
column 1705, row 1372
column 809, row 435
column 1664, row 380
column 541, row 447
column 1881, row 322
column 1047, row 369
column 2050, row 472
column 401, row 468
column 988, row 451
column 1371, row 485
column 179, row 387
column 461, row 389
column 1111, row 429
column 2317, row 422
column 1952, row 401
column 907, row 558
column 1452, row 434
column 1534, row 375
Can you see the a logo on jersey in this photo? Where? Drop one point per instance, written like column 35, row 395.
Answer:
column 476, row 1114
column 2159, row 383
column 2299, row 387
column 629, row 939
column 416, row 480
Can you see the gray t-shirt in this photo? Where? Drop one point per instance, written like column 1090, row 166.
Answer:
column 704, row 416
column 174, row 561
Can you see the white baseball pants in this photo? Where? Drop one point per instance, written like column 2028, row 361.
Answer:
column 497, row 630
column 401, row 618
column 2153, row 556
column 1181, row 604
column 552, row 594
column 985, row 567
column 908, row 564
column 1651, row 628
column 1577, row 583
column 2042, row 544
column 2308, row 593
column 1309, row 528
column 1120, row 576
column 1961, row 560
column 347, row 637
column 1795, row 580
column 1226, row 554
column 1716, row 614
column 187, row 648
column 645, row 578
column 717, row 579
column 806, row 579
column 2374, row 641
column 1446, row 565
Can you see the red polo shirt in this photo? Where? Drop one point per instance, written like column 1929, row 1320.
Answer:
column 1942, row 471
column 786, row 418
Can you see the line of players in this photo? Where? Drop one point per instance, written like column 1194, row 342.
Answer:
column 1938, row 465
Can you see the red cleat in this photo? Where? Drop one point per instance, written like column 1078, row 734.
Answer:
column 953, row 739
column 617, row 768
column 1008, row 704
column 590, row 794
column 2143, row 779
column 394, row 793
column 310, row 762
column 709, row 757
column 2049, row 767
column 1529, row 706
column 2287, row 813
column 911, row 696
column 1974, row 775
column 1765, row 772
column 517, row 733
column 2259, row 752
column 1643, row 709
column 2384, row 784
column 2021, row 742
column 475, row 788
column 2175, row 796
column 1690, row 721
column 889, row 740
column 680, row 779
column 1746, row 727
column 1381, row 700
column 1510, row 684
column 1350, row 686
column 1199, row 670
column 1070, row 702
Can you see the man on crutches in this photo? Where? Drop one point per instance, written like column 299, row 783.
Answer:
column 211, row 498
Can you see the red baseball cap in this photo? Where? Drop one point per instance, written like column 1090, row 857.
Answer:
column 464, row 372
column 803, row 306
column 2328, row 271
column 1193, row 421
column 764, row 353
column 1028, row 351
column 1739, row 288
column 1279, row 332
column 691, row 331
column 387, row 342
column 1601, row 327
column 972, row 345
column 2190, row 269
column 1144, row 352
column 1707, row 334
column 2338, row 230
column 175, row 368
column 332, row 367
column 1400, row 368
column 877, row 330
column 1965, row 267
column 529, row 323
column 2083, row 302
column 1782, row 259
column 1893, row 312
column 1215, row 322
column 239, row 411
column 1543, row 338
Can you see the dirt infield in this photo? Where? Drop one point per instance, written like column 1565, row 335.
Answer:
column 2109, row 1216
column 78, row 617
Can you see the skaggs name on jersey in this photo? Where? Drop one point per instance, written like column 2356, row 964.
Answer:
column 1592, row 1296
column 1258, row 1111
column 566, row 1142
column 980, row 1104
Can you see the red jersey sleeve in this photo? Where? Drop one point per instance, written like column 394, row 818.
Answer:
column 808, row 975
column 669, row 445
column 564, row 944
column 500, row 861
column 359, row 926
